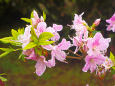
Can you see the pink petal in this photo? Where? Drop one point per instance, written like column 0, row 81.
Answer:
column 57, row 27
column 64, row 45
column 60, row 55
column 41, row 27
column 40, row 67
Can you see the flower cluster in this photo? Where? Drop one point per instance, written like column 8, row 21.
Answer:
column 111, row 22
column 40, row 43
column 93, row 46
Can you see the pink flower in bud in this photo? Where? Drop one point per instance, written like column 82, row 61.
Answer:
column 92, row 62
column 97, row 44
column 97, row 22
column 111, row 22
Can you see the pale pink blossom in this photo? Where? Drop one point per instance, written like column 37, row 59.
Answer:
column 111, row 22
column 57, row 51
column 42, row 64
column 57, row 27
column 98, row 44
column 25, row 38
column 92, row 62
column 107, row 64
column 79, row 24
column 36, row 19
column 41, row 61
column 81, row 40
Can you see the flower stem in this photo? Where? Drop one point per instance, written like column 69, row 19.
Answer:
column 72, row 57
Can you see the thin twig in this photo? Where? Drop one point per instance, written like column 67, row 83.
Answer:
column 74, row 53
column 74, row 57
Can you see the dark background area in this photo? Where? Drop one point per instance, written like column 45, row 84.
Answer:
column 21, row 73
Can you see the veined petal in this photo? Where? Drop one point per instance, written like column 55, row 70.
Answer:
column 40, row 67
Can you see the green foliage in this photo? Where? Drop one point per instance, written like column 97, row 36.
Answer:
column 94, row 32
column 45, row 42
column 10, row 40
column 6, row 51
column 112, row 57
column 29, row 46
column 26, row 20
column 44, row 16
column 14, row 34
column 32, row 14
column 21, row 30
column 45, row 36
column 3, row 79
column 6, row 39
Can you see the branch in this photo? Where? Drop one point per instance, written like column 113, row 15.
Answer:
column 74, row 57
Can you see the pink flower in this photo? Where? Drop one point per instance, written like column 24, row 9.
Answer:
column 107, row 64
column 42, row 64
column 41, row 61
column 97, row 44
column 36, row 18
column 41, row 27
column 30, row 54
column 78, row 23
column 57, row 51
column 57, row 27
column 111, row 22
column 25, row 38
column 81, row 40
column 92, row 62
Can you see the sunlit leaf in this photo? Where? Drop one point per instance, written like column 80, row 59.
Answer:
column 45, row 42
column 26, row 20
column 14, row 34
column 45, row 36
column 29, row 46
column 3, row 79
column 44, row 16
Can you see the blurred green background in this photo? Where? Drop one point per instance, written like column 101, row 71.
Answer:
column 21, row 73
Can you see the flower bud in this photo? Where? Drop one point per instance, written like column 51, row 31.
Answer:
column 97, row 22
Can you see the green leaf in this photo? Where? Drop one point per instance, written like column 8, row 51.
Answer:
column 29, row 46
column 94, row 32
column 4, row 54
column 10, row 40
column 32, row 14
column 21, row 30
column 45, row 36
column 112, row 57
column 6, row 39
column 44, row 16
column 45, row 42
column 14, row 34
column 26, row 20
column 34, row 36
column 113, row 67
column 7, row 51
column 3, row 79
